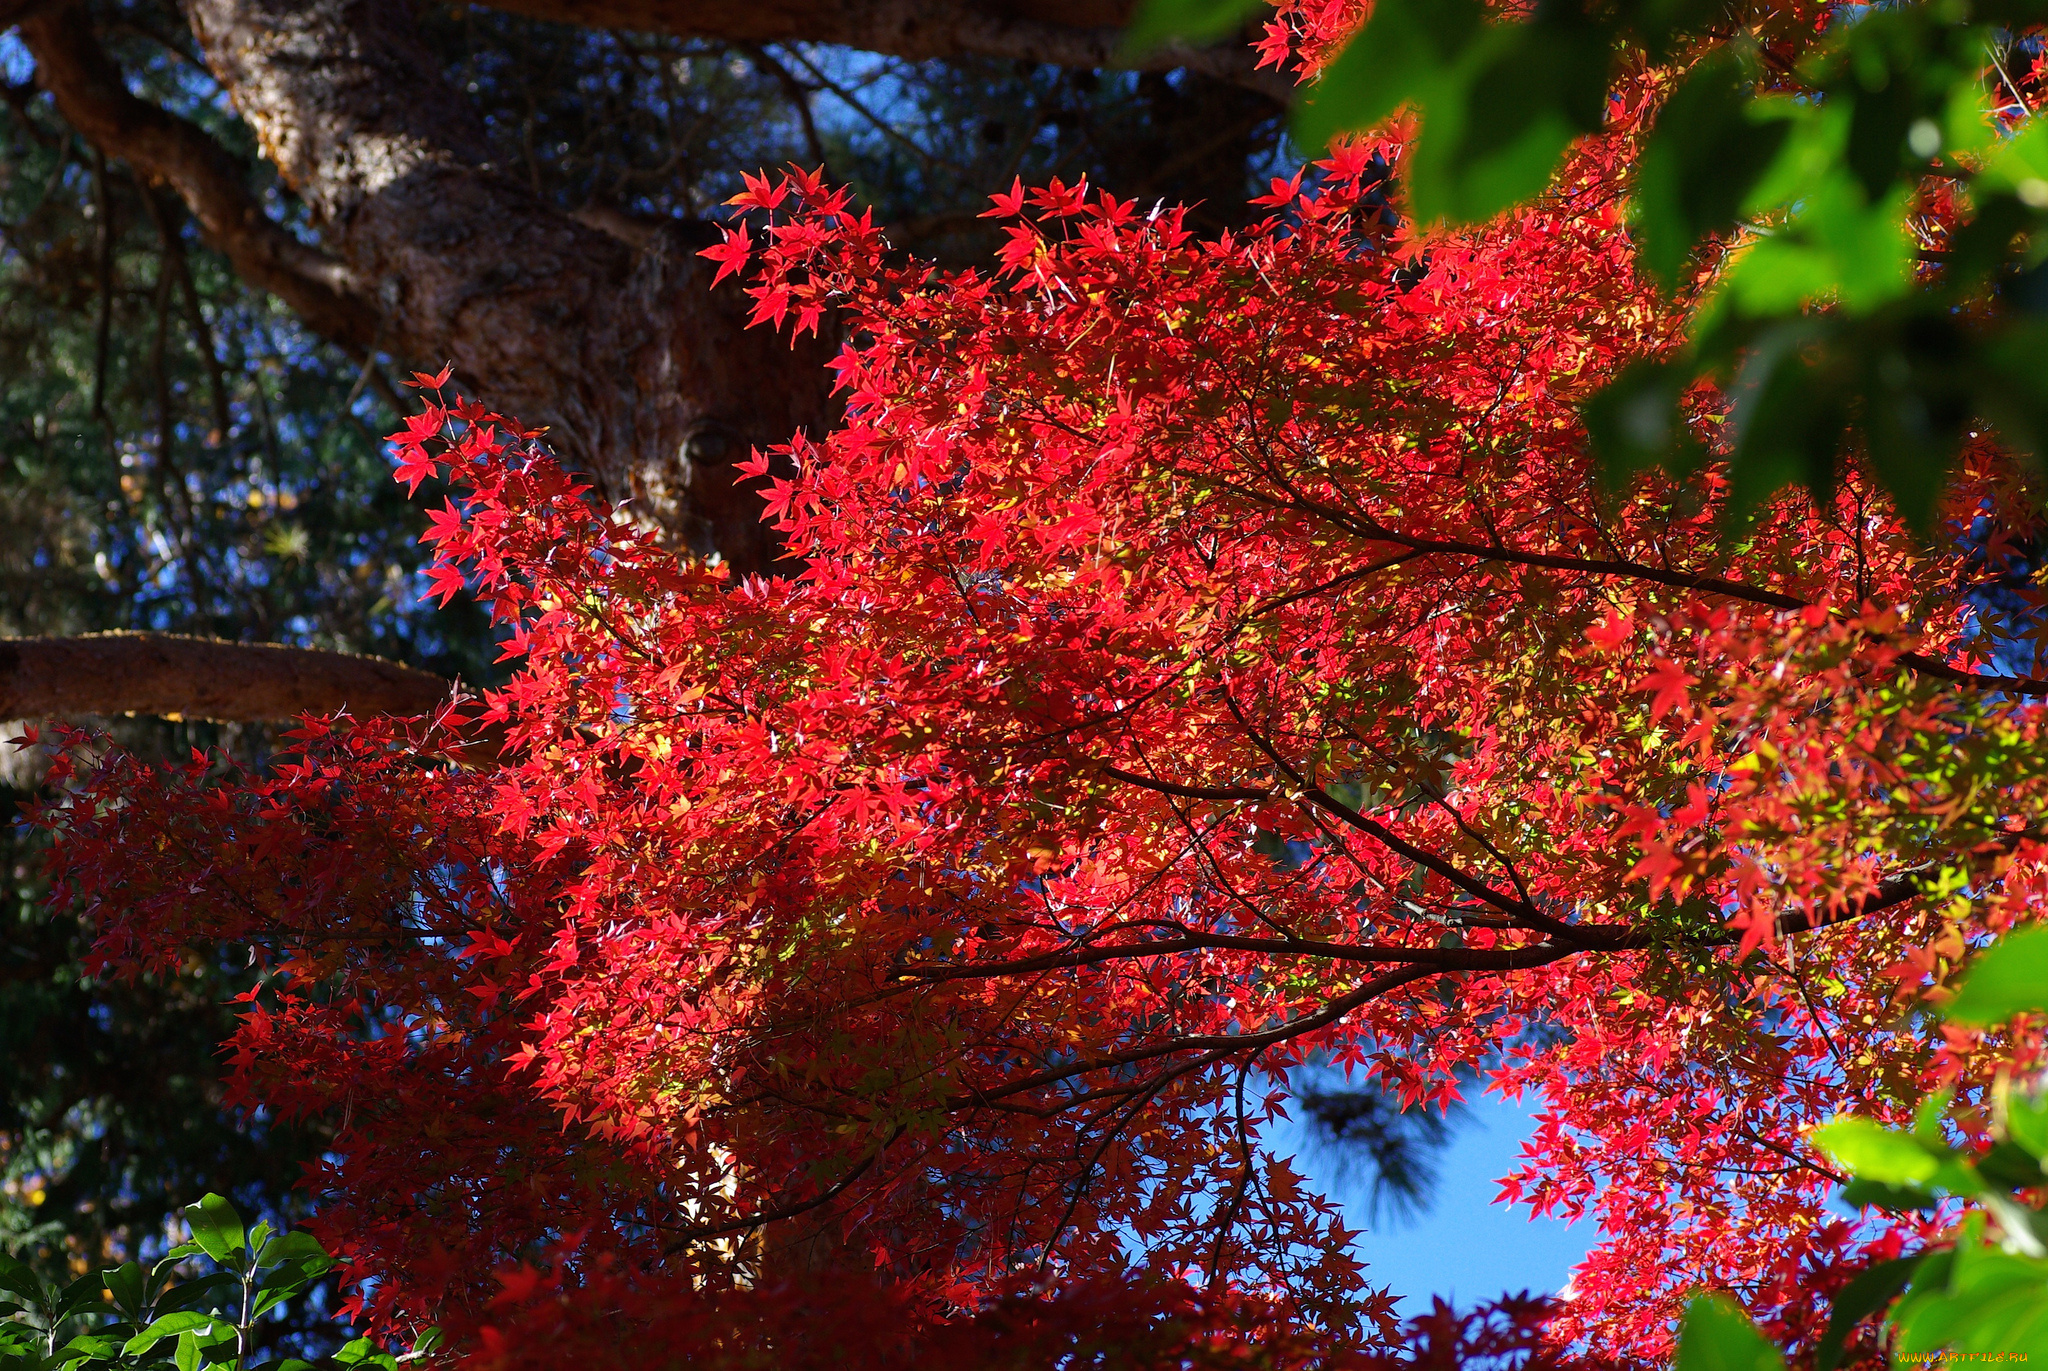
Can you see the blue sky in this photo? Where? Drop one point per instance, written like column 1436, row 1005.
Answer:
column 1464, row 1247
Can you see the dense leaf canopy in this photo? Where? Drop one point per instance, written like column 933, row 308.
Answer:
column 1206, row 658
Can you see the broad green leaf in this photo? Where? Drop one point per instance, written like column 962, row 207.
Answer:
column 1927, row 1119
column 89, row 1347
column 216, row 1227
column 188, row 1355
column 296, row 1246
column 1717, row 1336
column 169, row 1326
column 1657, row 22
column 353, row 1352
column 2025, row 1231
column 1635, row 423
column 2008, row 978
column 1871, row 1291
column 2012, row 1166
column 1492, row 133
column 1711, row 145
column 127, row 1283
column 192, row 1292
column 1191, row 21
column 1789, row 413
column 1985, row 1294
column 1897, row 1198
column 2026, row 1124
column 1837, row 247
column 17, row 1279
column 1407, row 49
column 2020, row 164
column 1875, row 1152
column 79, row 1296
column 267, row 1300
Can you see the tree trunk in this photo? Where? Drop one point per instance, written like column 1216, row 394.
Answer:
column 641, row 375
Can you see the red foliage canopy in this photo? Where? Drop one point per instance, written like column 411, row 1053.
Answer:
column 1207, row 658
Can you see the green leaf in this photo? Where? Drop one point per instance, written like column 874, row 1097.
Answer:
column 2019, row 164
column 296, row 1246
column 1789, row 414
column 1872, row 1290
column 1875, row 1152
column 1656, row 23
column 2012, row 1166
column 1717, row 1336
column 1711, row 146
column 89, row 1347
column 1985, row 1300
column 1406, row 50
column 2026, row 1124
column 267, row 1300
column 355, row 1351
column 1635, row 422
column 188, row 1355
column 216, row 1227
column 2009, row 978
column 1927, row 1119
column 127, row 1283
column 1191, row 21
column 170, row 1325
column 17, row 1279
column 1897, row 1198
column 79, row 1296
column 191, row 1292
column 2024, row 1230
column 1493, row 133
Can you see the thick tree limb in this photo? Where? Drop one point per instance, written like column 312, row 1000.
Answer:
column 93, row 97
column 1065, row 33
column 641, row 374
column 202, row 678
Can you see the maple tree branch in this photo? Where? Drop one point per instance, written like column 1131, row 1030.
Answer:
column 789, row 1211
column 1510, row 905
column 1188, row 792
column 1371, row 529
column 1437, row 958
column 202, row 678
column 1216, row 1047
column 94, row 98
column 1061, row 33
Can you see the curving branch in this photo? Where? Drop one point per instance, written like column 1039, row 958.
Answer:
column 1061, row 33
column 202, row 678
column 160, row 146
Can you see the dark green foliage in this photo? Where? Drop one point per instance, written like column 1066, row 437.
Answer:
column 1826, row 333
column 175, row 1312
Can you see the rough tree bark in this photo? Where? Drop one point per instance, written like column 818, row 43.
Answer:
column 604, row 333
column 640, row 374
